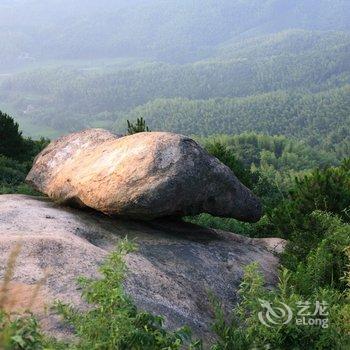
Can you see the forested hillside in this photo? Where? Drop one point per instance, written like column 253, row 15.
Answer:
column 284, row 69
column 293, row 83
column 321, row 119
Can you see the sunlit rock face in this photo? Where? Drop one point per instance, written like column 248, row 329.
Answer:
column 144, row 176
column 171, row 273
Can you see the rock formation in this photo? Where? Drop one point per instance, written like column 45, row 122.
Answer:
column 170, row 274
column 144, row 176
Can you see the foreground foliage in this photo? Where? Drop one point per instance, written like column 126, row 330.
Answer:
column 115, row 322
column 112, row 322
column 327, row 190
column 318, row 280
column 20, row 332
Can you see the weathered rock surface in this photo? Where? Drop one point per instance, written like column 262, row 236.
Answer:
column 145, row 176
column 170, row 274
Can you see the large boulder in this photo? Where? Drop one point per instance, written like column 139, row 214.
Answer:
column 145, row 176
column 170, row 274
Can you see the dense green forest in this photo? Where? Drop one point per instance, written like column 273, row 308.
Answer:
column 294, row 83
column 321, row 119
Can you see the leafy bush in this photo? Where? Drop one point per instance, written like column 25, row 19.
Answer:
column 246, row 331
column 20, row 333
column 317, row 279
column 327, row 190
column 325, row 264
column 114, row 322
column 12, row 176
column 16, row 156
column 11, row 140
column 225, row 224
column 12, row 172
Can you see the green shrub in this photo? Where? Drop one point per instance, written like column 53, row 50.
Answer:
column 317, row 278
column 246, row 331
column 326, row 190
column 11, row 140
column 12, row 176
column 114, row 322
column 229, row 224
column 20, row 333
column 225, row 224
column 13, row 145
column 139, row 126
column 325, row 265
column 16, row 156
column 12, row 172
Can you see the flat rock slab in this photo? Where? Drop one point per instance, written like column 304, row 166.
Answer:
column 170, row 274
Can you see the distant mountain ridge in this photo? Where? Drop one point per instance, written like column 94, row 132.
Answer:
column 173, row 31
column 203, row 67
column 304, row 60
